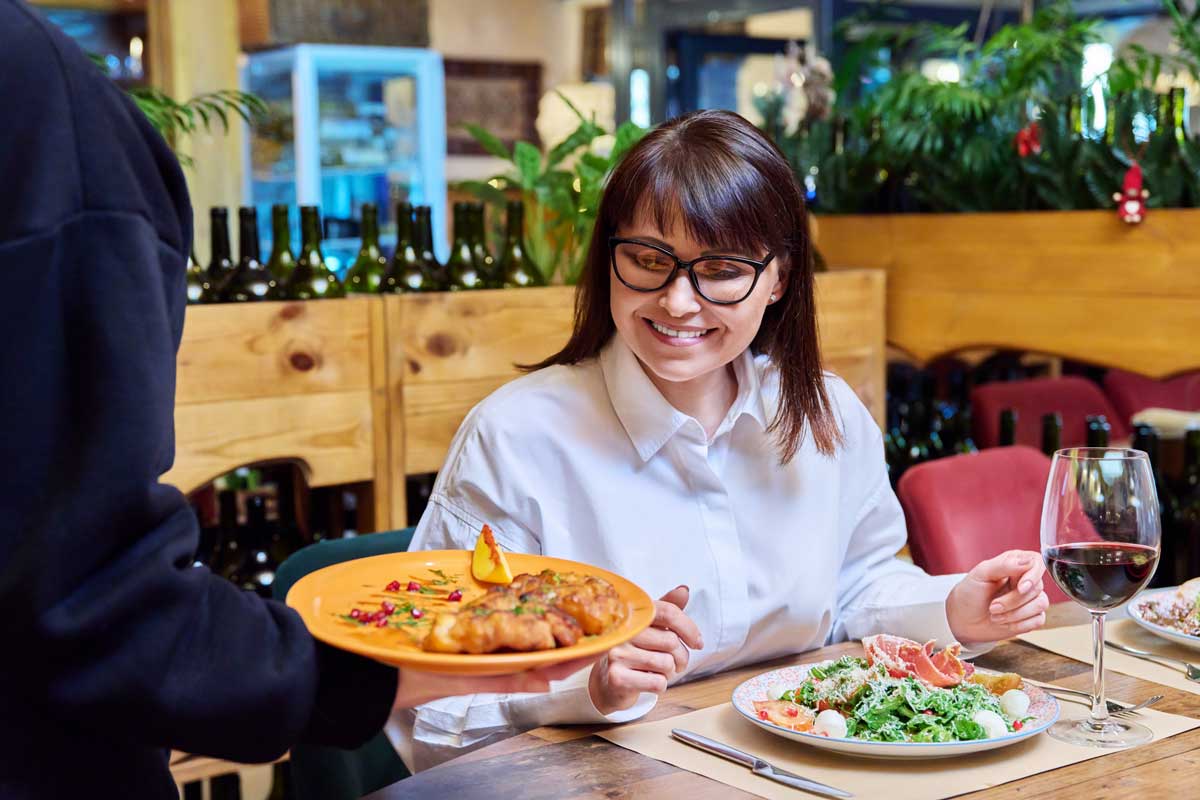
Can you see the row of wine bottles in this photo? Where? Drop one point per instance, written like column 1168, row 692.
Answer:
column 253, row 519
column 413, row 267
column 1099, row 430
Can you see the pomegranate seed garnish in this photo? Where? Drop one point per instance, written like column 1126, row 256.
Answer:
column 381, row 623
column 762, row 714
column 791, row 712
column 927, row 711
column 387, row 606
column 417, row 613
column 1017, row 725
column 413, row 586
column 454, row 596
column 355, row 613
column 394, row 586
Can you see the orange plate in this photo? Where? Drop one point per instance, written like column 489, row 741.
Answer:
column 325, row 596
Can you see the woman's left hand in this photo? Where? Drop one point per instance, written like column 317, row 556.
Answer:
column 999, row 598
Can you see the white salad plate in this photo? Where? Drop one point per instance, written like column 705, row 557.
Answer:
column 1137, row 610
column 1042, row 707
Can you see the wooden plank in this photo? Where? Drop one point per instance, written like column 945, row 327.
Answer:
column 248, row 350
column 850, row 321
column 454, row 349
column 331, row 434
column 451, row 335
column 398, row 469
column 382, row 484
column 1076, row 284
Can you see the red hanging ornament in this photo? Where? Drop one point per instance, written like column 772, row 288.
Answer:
column 1131, row 201
column 1028, row 140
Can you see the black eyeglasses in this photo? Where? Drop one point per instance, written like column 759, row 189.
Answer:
column 646, row 267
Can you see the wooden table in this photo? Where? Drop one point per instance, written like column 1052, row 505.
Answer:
column 570, row 762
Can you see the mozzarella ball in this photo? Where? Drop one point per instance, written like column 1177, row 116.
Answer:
column 830, row 723
column 776, row 690
column 993, row 726
column 1014, row 703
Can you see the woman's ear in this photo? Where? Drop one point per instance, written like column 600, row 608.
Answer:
column 780, row 284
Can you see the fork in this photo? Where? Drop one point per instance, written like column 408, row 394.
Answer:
column 1114, row 708
column 1192, row 671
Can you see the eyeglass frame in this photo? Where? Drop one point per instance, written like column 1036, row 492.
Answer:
column 688, row 267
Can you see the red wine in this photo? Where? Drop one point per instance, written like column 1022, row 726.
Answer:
column 1101, row 575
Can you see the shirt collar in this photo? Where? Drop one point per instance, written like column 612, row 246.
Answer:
column 648, row 419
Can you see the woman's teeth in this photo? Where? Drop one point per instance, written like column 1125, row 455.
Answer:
column 665, row 331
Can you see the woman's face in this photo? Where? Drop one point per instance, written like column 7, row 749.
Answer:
column 677, row 334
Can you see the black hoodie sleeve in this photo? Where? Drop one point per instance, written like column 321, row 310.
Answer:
column 105, row 623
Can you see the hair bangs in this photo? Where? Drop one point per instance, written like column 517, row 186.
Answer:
column 712, row 199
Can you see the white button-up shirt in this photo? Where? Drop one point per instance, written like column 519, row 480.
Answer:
column 592, row 463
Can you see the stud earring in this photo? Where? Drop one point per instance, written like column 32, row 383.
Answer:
column 773, row 298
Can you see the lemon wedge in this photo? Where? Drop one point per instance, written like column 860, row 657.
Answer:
column 488, row 564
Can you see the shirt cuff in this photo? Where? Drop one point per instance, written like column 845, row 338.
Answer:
column 570, row 703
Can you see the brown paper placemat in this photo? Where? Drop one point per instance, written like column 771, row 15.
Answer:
column 927, row 779
column 1075, row 642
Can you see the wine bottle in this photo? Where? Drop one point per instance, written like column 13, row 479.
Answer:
column 256, row 570
column 194, row 278
column 366, row 275
column 485, row 263
column 312, row 279
column 226, row 562
column 1170, row 571
column 220, row 265
column 251, row 280
column 964, row 443
column 1008, row 427
column 436, row 278
column 406, row 272
column 282, row 261
column 916, row 432
column 514, row 263
column 464, row 274
column 1188, row 539
column 1051, row 433
column 1097, row 430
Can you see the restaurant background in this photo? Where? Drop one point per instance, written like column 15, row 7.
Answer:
column 907, row 124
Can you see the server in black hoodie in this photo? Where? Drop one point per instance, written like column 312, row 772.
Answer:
column 112, row 647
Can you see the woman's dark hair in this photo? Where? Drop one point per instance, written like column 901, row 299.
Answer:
column 730, row 187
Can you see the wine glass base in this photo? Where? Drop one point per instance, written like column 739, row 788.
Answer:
column 1112, row 734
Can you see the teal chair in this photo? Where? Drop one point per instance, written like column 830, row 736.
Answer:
column 330, row 773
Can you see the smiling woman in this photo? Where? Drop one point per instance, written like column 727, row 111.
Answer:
column 688, row 439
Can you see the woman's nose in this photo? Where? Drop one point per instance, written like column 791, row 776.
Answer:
column 679, row 298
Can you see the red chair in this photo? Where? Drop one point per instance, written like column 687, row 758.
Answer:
column 967, row 508
column 1131, row 393
column 1073, row 398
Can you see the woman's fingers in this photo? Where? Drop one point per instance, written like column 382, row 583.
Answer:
column 671, row 617
column 1031, row 608
column 1011, row 601
column 624, row 680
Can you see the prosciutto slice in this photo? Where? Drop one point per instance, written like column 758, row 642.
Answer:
column 904, row 658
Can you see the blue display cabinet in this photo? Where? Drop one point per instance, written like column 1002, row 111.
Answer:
column 347, row 125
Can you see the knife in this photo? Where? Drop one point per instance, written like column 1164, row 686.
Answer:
column 757, row 765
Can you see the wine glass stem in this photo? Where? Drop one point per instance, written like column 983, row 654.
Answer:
column 1099, row 707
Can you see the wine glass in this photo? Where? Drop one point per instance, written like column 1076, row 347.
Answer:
column 1101, row 541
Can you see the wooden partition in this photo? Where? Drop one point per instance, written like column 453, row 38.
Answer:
column 1077, row 284
column 372, row 389
column 275, row 381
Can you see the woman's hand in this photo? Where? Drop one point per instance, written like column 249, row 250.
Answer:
column 649, row 661
column 415, row 687
column 999, row 598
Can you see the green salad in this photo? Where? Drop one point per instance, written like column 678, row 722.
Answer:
column 877, row 707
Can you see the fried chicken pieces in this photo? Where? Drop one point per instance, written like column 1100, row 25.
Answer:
column 534, row 612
